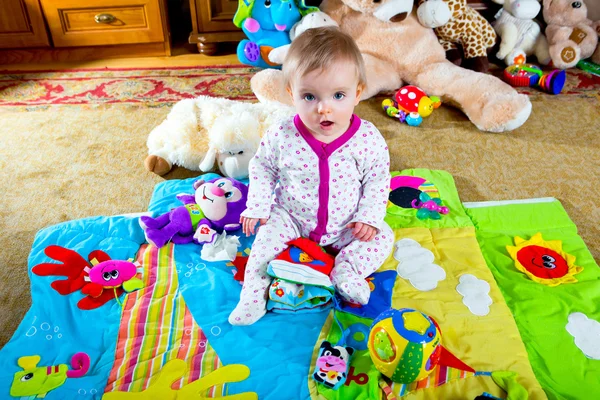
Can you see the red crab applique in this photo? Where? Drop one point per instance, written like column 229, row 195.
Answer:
column 76, row 269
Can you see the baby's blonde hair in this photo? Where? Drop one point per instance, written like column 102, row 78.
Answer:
column 320, row 48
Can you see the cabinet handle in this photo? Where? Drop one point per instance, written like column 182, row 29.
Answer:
column 104, row 18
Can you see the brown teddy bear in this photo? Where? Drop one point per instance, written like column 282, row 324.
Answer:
column 398, row 50
column 571, row 35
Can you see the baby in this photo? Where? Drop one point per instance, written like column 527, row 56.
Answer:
column 328, row 170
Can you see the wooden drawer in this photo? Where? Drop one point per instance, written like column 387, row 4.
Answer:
column 103, row 22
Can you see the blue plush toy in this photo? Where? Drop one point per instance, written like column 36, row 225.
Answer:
column 266, row 23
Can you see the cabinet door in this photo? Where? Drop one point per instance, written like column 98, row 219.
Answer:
column 214, row 15
column 22, row 24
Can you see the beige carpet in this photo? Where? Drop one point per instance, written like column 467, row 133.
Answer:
column 70, row 162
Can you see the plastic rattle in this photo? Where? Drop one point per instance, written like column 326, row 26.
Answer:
column 430, row 205
column 529, row 75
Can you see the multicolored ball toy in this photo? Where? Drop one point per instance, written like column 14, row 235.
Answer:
column 410, row 105
column 405, row 344
column 529, row 75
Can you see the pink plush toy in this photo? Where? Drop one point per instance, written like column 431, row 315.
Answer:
column 113, row 274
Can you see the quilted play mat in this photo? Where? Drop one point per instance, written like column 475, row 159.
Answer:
column 495, row 299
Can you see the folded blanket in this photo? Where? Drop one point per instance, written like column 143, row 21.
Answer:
column 301, row 278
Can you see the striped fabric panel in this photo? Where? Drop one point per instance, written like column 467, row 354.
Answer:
column 156, row 326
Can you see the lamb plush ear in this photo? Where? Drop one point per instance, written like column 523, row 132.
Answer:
column 209, row 160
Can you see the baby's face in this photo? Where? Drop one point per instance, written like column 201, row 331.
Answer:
column 325, row 99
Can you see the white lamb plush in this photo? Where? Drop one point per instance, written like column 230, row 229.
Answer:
column 313, row 20
column 197, row 132
column 520, row 34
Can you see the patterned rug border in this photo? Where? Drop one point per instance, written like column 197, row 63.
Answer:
column 157, row 87
column 41, row 71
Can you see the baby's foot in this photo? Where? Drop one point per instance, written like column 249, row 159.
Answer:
column 352, row 288
column 248, row 311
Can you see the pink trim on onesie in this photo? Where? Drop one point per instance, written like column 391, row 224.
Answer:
column 323, row 151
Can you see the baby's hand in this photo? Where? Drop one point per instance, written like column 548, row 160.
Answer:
column 361, row 231
column 248, row 224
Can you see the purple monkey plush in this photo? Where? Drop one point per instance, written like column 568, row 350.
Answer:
column 215, row 207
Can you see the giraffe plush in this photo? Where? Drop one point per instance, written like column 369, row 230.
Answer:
column 456, row 24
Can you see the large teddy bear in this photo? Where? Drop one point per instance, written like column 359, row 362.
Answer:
column 571, row 35
column 396, row 49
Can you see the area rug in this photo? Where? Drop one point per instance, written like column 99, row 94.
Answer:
column 72, row 145
column 159, row 86
column 146, row 87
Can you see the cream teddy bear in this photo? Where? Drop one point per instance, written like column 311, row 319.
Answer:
column 313, row 20
column 199, row 132
column 521, row 36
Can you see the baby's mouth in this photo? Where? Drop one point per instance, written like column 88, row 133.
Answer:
column 326, row 123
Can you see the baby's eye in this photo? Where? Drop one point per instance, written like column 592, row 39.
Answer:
column 339, row 96
column 309, row 97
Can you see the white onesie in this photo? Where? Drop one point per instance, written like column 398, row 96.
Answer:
column 318, row 189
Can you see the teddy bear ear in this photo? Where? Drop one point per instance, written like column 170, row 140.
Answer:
column 198, row 183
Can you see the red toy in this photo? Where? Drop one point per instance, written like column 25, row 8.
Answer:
column 76, row 269
column 411, row 105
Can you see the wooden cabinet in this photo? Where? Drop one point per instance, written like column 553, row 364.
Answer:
column 22, row 24
column 212, row 22
column 82, row 30
column 103, row 22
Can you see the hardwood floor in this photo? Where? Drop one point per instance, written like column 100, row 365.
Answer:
column 183, row 55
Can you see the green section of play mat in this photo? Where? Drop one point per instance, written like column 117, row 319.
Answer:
column 398, row 217
column 541, row 311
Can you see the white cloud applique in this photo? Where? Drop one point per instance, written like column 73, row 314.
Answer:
column 586, row 333
column 475, row 294
column 416, row 265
